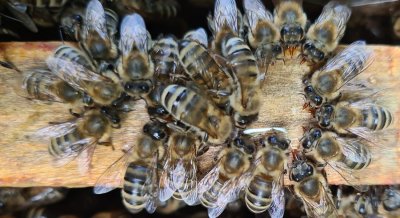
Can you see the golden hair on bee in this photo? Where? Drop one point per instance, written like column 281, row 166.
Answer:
column 291, row 20
column 324, row 34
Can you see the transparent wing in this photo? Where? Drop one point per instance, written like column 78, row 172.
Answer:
column 381, row 138
column 321, row 207
column 133, row 34
column 208, row 180
column 188, row 190
column 355, row 149
column 277, row 207
column 95, row 20
column 166, row 191
column 56, row 130
column 84, row 159
column 226, row 14
column 199, row 35
column 73, row 150
column 351, row 61
column 255, row 11
column 113, row 176
column 336, row 12
column 153, row 183
column 74, row 74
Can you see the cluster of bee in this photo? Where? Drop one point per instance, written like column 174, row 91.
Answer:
column 200, row 95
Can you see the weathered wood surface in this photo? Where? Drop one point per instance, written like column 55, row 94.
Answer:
column 26, row 162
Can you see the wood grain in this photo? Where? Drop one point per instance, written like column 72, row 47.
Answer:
column 26, row 162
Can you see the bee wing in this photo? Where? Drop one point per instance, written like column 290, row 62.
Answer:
column 166, row 191
column 73, row 150
column 199, row 35
column 95, row 20
column 188, row 191
column 152, row 182
column 85, row 158
column 351, row 148
column 113, row 176
column 208, row 180
column 338, row 13
column 56, row 130
column 133, row 34
column 379, row 138
column 226, row 14
column 255, row 11
column 319, row 208
column 74, row 74
column 354, row 59
column 277, row 207
column 19, row 10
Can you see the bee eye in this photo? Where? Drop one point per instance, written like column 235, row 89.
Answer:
column 284, row 145
column 318, row 100
column 277, row 49
column 308, row 89
column 249, row 149
column 307, row 45
column 306, row 144
column 239, row 142
column 299, row 31
column 317, row 134
column 78, row 18
column 144, row 88
column 285, row 30
column 321, row 56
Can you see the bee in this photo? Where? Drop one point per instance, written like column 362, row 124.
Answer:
column 265, row 191
column 203, row 69
column 224, row 182
column 179, row 176
column 140, row 186
column 79, row 136
column 311, row 187
column 96, row 36
column 358, row 117
column 263, row 35
column 324, row 34
column 291, row 20
column 135, row 66
column 365, row 205
column 165, row 56
column 197, row 112
column 332, row 81
column 390, row 201
column 101, row 89
column 344, row 154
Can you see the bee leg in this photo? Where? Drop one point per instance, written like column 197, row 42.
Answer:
column 75, row 114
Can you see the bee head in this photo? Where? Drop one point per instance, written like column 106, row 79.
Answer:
column 309, row 138
column 312, row 95
column 312, row 52
column 324, row 115
column 155, row 130
column 391, row 199
column 281, row 143
column 138, row 88
column 292, row 34
column 111, row 114
column 95, row 124
column 242, row 121
column 245, row 144
column 300, row 170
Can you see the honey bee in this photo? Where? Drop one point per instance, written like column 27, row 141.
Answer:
column 358, row 118
column 365, row 205
column 265, row 190
column 135, row 66
column 101, row 89
column 332, row 81
column 324, row 34
column 390, row 201
column 203, row 69
column 224, row 182
column 344, row 154
column 140, row 180
column 291, row 20
column 79, row 136
column 263, row 36
column 165, row 55
column 179, row 176
column 311, row 187
column 96, row 36
column 197, row 112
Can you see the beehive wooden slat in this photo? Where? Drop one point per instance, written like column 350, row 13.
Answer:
column 25, row 162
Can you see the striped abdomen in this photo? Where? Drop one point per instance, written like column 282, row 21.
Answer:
column 62, row 145
column 111, row 22
column 376, row 118
column 166, row 58
column 259, row 194
column 209, row 198
column 164, row 8
column 203, row 69
column 245, row 67
column 47, row 3
column 363, row 151
column 74, row 55
column 134, row 188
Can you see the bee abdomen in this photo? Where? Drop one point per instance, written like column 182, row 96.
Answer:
column 209, row 198
column 166, row 58
column 360, row 164
column 62, row 145
column 74, row 55
column 178, row 100
column 134, row 189
column 34, row 85
column 258, row 195
column 377, row 118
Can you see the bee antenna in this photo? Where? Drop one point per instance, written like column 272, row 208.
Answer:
column 9, row 65
column 11, row 18
column 60, row 31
